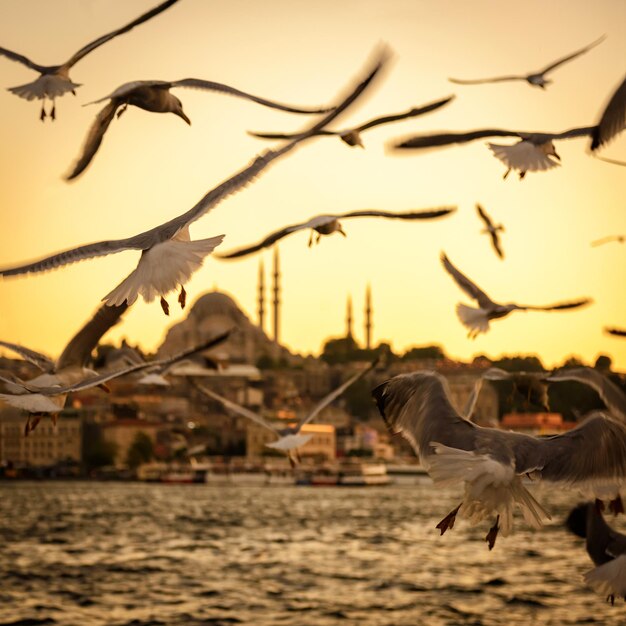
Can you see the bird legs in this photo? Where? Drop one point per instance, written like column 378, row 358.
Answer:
column 448, row 521
column 493, row 533
column 51, row 113
column 182, row 300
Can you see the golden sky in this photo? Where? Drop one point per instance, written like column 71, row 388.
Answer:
column 153, row 167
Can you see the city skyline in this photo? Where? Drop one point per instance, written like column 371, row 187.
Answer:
column 153, row 167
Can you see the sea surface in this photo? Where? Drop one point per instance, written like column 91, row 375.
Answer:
column 87, row 553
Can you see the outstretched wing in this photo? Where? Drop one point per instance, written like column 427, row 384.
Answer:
column 120, row 31
column 483, row 215
column 94, row 138
column 446, row 139
column 43, row 362
column 268, row 241
column 207, row 85
column 613, row 119
column 20, row 58
column 617, row 332
column 407, row 215
column 470, row 288
column 480, row 81
column 559, row 306
column 571, row 56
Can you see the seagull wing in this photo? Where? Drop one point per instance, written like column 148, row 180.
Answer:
column 470, row 288
column 120, row 31
column 333, row 395
column 196, row 83
column 612, row 396
column 613, row 118
column 603, row 240
column 573, row 133
column 43, row 362
column 617, row 332
column 94, row 138
column 290, row 135
column 480, row 81
column 20, row 58
column 495, row 240
column 78, row 350
column 446, row 139
column 414, row 112
column 483, row 215
column 571, row 56
column 237, row 408
column 472, row 400
column 268, row 241
column 407, row 215
column 559, row 306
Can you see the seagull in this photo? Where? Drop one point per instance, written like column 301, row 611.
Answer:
column 491, row 463
column 612, row 121
column 535, row 79
column 69, row 368
column 47, row 395
column 608, row 239
column 605, row 546
column 168, row 256
column 155, row 96
column 492, row 230
column 531, row 154
column 616, row 332
column 329, row 224
column 352, row 136
column 289, row 438
column 612, row 396
column 477, row 319
column 55, row 81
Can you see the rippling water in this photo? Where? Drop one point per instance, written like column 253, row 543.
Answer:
column 85, row 553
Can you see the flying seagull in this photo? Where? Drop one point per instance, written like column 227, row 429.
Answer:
column 43, row 396
column 477, row 319
column 608, row 239
column 605, row 546
column 329, row 224
column 531, row 154
column 536, row 79
column 491, row 463
column 612, row 121
column 54, row 80
column 69, row 368
column 491, row 229
column 612, row 396
column 616, row 332
column 352, row 136
column 168, row 256
column 155, row 96
column 290, row 438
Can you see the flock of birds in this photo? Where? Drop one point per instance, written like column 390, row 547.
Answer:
column 491, row 464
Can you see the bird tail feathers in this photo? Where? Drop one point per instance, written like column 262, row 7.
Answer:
column 475, row 320
column 609, row 579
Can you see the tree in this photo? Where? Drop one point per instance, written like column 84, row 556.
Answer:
column 603, row 363
column 425, row 352
column 97, row 451
column 140, row 451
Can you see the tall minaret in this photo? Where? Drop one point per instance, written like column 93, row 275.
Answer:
column 368, row 317
column 261, row 308
column 276, row 301
column 349, row 317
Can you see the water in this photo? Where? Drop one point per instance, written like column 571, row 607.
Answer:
column 80, row 553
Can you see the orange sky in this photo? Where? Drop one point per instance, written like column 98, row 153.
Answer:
column 152, row 167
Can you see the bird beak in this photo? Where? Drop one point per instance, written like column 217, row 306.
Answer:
column 181, row 113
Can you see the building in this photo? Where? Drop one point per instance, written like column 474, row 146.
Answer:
column 122, row 434
column 45, row 446
column 536, row 423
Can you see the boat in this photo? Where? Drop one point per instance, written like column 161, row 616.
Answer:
column 363, row 474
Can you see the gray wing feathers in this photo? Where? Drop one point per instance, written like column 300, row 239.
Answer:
column 613, row 119
column 571, row 56
column 44, row 363
column 20, row 58
column 472, row 290
column 407, row 215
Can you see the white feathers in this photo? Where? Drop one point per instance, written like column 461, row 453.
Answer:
column 289, row 442
column 46, row 86
column 35, row 402
column 476, row 320
column 525, row 156
column 163, row 268
column 609, row 579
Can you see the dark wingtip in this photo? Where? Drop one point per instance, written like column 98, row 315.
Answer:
column 379, row 396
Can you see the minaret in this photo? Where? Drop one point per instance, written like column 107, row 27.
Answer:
column 349, row 317
column 368, row 317
column 276, row 301
column 261, row 308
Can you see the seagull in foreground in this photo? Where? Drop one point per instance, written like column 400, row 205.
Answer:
column 352, row 136
column 69, row 368
column 329, row 224
column 605, row 546
column 55, row 81
column 288, row 438
column 531, row 154
column 47, row 395
column 612, row 121
column 155, row 96
column 492, row 463
column 612, row 396
column 477, row 319
column 168, row 256
column 616, row 332
column 608, row 239
column 535, row 79
column 492, row 229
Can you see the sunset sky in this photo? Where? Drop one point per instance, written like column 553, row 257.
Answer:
column 152, row 167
